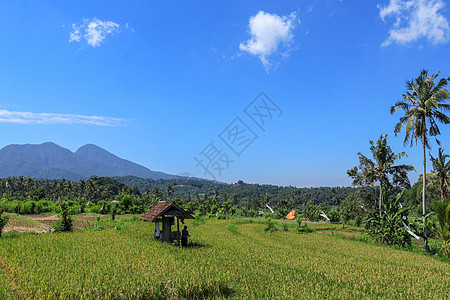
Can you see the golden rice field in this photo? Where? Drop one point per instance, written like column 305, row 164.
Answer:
column 249, row 264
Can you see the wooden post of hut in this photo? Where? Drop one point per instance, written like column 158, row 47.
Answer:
column 165, row 212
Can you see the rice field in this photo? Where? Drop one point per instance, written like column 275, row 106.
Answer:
column 220, row 263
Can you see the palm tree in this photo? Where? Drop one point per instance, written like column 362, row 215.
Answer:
column 21, row 183
column 441, row 170
column 29, row 186
column 156, row 193
column 381, row 169
column 170, row 191
column 61, row 188
column 424, row 105
column 82, row 186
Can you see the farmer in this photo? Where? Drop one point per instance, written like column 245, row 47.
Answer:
column 184, row 237
column 157, row 232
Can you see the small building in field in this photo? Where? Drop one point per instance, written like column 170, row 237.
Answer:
column 164, row 213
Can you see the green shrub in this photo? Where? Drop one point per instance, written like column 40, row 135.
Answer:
column 9, row 205
column 271, row 226
column 65, row 221
column 303, row 228
column 113, row 211
column 44, row 206
column 387, row 226
column 335, row 215
column 94, row 226
column 28, row 208
column 441, row 230
column 199, row 219
column 3, row 220
column 221, row 217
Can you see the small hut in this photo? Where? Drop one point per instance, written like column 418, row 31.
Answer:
column 165, row 212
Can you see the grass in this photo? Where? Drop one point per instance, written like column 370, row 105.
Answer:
column 6, row 289
column 241, row 262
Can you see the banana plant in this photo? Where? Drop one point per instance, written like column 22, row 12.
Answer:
column 442, row 229
column 388, row 227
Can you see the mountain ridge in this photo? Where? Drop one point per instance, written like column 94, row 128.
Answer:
column 51, row 161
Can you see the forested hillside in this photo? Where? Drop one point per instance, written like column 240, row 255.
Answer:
column 184, row 188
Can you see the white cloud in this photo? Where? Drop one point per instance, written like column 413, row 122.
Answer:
column 93, row 31
column 7, row 116
column 415, row 19
column 269, row 33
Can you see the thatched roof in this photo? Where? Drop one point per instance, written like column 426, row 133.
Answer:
column 165, row 208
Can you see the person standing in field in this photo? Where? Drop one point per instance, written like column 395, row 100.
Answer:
column 157, row 234
column 184, row 237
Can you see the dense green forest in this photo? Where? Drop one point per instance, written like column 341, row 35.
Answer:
column 184, row 188
column 29, row 195
column 136, row 195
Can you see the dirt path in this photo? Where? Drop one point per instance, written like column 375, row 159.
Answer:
column 43, row 229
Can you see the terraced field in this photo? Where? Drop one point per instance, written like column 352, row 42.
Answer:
column 246, row 263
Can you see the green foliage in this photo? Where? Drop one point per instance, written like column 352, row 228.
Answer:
column 113, row 211
column 103, row 224
column 311, row 211
column 271, row 226
column 441, row 230
column 357, row 206
column 334, row 214
column 246, row 195
column 3, row 220
column 424, row 105
column 387, row 226
column 380, row 170
column 441, row 172
column 65, row 220
column 221, row 217
column 199, row 219
column 35, row 196
column 303, row 228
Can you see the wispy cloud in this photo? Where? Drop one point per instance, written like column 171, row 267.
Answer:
column 415, row 19
column 7, row 116
column 270, row 35
column 93, row 32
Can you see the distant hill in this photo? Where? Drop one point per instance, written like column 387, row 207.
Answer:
column 189, row 187
column 51, row 161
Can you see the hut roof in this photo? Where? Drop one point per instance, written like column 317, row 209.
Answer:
column 163, row 207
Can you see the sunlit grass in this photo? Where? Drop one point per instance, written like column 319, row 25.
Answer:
column 128, row 263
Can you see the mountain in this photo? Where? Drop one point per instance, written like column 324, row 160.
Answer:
column 51, row 161
column 118, row 166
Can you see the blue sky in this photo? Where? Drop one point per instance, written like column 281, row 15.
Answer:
column 169, row 81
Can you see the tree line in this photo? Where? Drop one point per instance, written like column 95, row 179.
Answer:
column 424, row 107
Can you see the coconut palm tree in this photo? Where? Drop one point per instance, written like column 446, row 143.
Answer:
column 441, row 170
column 170, row 191
column 424, row 105
column 21, row 183
column 82, row 187
column 381, row 169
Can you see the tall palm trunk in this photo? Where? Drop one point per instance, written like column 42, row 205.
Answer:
column 424, row 187
column 443, row 191
column 381, row 197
